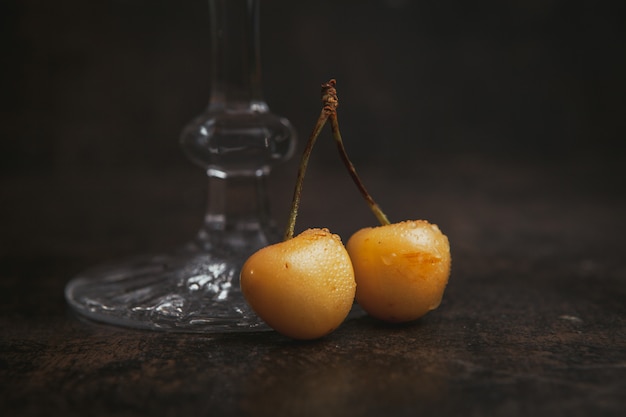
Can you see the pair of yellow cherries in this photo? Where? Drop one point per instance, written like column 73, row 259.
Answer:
column 305, row 286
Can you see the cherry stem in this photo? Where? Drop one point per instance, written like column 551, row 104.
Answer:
column 380, row 215
column 329, row 111
column 329, row 100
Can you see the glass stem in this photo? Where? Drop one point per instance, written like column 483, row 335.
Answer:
column 237, row 217
column 235, row 56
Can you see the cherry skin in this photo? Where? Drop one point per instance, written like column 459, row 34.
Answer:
column 401, row 269
column 303, row 287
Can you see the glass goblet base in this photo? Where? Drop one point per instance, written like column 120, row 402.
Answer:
column 187, row 291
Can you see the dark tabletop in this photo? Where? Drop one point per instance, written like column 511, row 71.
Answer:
column 502, row 124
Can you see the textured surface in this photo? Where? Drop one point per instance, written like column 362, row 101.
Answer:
column 533, row 321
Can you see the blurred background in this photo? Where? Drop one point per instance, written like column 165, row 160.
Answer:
column 95, row 94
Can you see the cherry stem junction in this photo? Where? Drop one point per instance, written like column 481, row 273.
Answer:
column 329, row 111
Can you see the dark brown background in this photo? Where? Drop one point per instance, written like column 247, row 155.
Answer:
column 90, row 85
column 101, row 90
column 501, row 121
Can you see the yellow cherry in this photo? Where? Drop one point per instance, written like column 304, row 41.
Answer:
column 302, row 287
column 401, row 269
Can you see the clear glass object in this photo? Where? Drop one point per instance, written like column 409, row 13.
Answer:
column 237, row 140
